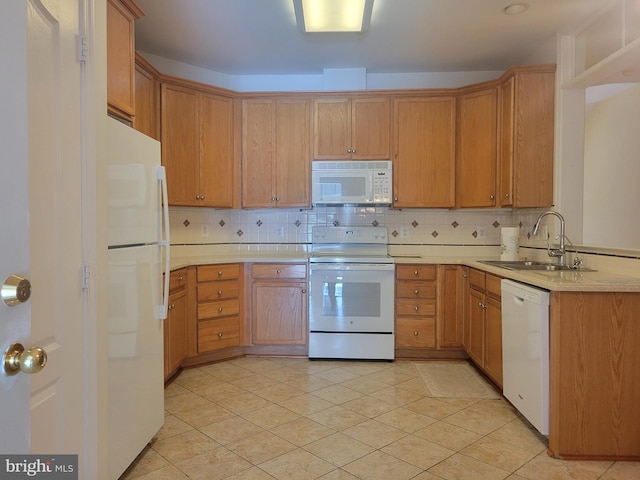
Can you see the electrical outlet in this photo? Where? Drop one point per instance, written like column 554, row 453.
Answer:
column 204, row 230
column 481, row 232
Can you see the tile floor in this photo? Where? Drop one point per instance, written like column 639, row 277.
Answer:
column 290, row 418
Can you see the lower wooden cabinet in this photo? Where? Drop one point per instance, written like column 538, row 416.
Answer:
column 416, row 306
column 175, row 326
column 279, row 304
column 219, row 306
column 483, row 340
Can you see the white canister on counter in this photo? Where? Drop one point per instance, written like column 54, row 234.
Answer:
column 510, row 243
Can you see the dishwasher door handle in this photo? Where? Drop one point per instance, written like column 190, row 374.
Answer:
column 518, row 300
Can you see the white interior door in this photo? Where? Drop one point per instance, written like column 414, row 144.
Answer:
column 41, row 201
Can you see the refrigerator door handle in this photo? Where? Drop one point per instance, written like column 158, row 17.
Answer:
column 164, row 242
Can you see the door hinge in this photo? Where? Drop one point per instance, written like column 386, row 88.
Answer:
column 82, row 48
column 85, row 276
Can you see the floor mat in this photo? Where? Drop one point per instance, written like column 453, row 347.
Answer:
column 454, row 380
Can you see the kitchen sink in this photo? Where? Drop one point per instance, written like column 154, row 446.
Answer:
column 533, row 265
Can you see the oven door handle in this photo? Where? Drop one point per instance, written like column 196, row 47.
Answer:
column 377, row 267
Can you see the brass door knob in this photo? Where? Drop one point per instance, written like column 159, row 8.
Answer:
column 15, row 290
column 17, row 359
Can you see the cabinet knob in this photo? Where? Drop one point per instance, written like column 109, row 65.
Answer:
column 220, row 273
column 395, row 199
column 219, row 293
column 277, row 199
column 506, row 195
column 273, row 199
column 349, row 150
column 304, row 290
column 415, row 272
column 416, row 292
column 278, row 272
column 180, row 278
column 416, row 308
column 415, row 333
column 220, row 309
column 491, row 197
column 220, row 335
column 171, row 307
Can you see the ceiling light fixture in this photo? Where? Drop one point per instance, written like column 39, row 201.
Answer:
column 333, row 15
column 515, row 9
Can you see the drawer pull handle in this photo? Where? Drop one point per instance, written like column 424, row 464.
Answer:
column 415, row 334
column 220, row 335
column 220, row 309
column 219, row 293
column 180, row 278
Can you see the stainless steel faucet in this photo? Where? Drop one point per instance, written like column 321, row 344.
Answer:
column 553, row 252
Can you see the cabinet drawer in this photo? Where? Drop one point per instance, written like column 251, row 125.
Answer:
column 217, row 334
column 415, row 290
column 406, row 306
column 177, row 280
column 223, row 289
column 416, row 272
column 418, row 333
column 494, row 286
column 218, row 272
column 222, row 308
column 477, row 279
column 274, row 270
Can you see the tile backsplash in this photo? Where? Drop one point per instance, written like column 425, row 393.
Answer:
column 197, row 226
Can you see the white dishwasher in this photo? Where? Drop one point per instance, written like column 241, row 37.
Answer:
column 525, row 351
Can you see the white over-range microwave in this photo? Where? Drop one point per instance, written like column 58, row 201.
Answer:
column 364, row 182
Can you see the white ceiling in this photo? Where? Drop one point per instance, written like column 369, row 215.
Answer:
column 260, row 37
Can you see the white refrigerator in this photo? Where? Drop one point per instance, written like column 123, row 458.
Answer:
column 138, row 253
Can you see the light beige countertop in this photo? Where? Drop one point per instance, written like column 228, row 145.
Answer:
column 568, row 280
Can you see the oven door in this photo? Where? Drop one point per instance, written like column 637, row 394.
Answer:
column 351, row 298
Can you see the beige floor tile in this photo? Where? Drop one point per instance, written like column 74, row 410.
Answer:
column 415, row 385
column 365, row 368
column 184, row 401
column 381, row 466
column 220, row 391
column 418, row 451
column 338, row 474
column 375, row 434
column 461, row 467
column 499, row 454
column 437, row 408
column 426, row 476
column 392, row 376
column 170, row 472
column 282, row 374
column 254, row 382
column 261, row 447
column 227, row 371
column 517, row 433
column 337, row 394
column 213, row 465
column 449, row 436
column 306, row 404
column 406, row 420
column 339, row 449
column 270, row 416
column 308, row 383
column 195, row 383
column 148, row 461
column 476, row 422
column 302, row 431
column 543, row 467
column 369, row 406
column 397, row 396
column 495, row 408
column 295, row 465
column 278, row 392
column 231, row 430
column 174, row 389
column 253, row 473
column 338, row 418
column 364, row 385
column 245, row 402
column 200, row 416
column 172, row 426
column 185, row 445
column 623, row 471
column 336, row 375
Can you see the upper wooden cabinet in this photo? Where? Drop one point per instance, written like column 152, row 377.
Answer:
column 526, row 103
column 476, row 153
column 351, row 128
column 424, row 157
column 147, row 99
column 121, row 15
column 276, row 153
column 198, row 147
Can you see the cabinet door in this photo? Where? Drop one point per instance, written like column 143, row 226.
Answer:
column 147, row 101
column 258, row 154
column 505, row 160
column 370, row 128
column 175, row 331
column 180, row 147
column 450, row 306
column 477, row 149
column 493, row 340
column 279, row 313
column 332, row 129
column 293, row 152
column 424, row 157
column 216, row 153
column 475, row 348
column 120, row 59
